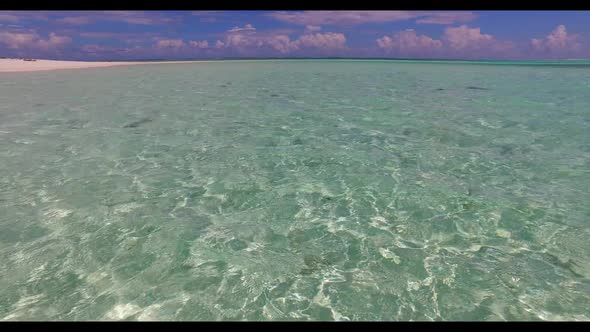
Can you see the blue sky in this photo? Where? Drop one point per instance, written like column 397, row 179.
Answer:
column 118, row 35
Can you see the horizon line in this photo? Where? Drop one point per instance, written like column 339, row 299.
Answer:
column 308, row 58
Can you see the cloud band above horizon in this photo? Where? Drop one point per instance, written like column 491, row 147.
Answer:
column 95, row 35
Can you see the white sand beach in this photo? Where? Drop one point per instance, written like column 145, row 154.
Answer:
column 20, row 65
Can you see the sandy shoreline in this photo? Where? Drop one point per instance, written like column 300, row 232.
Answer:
column 20, row 65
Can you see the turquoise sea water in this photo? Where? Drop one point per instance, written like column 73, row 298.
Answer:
column 296, row 190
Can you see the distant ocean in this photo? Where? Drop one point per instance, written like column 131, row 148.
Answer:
column 297, row 190
column 567, row 62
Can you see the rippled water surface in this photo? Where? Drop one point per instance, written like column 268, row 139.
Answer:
column 296, row 190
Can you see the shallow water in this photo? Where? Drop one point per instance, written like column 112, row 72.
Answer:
column 296, row 190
